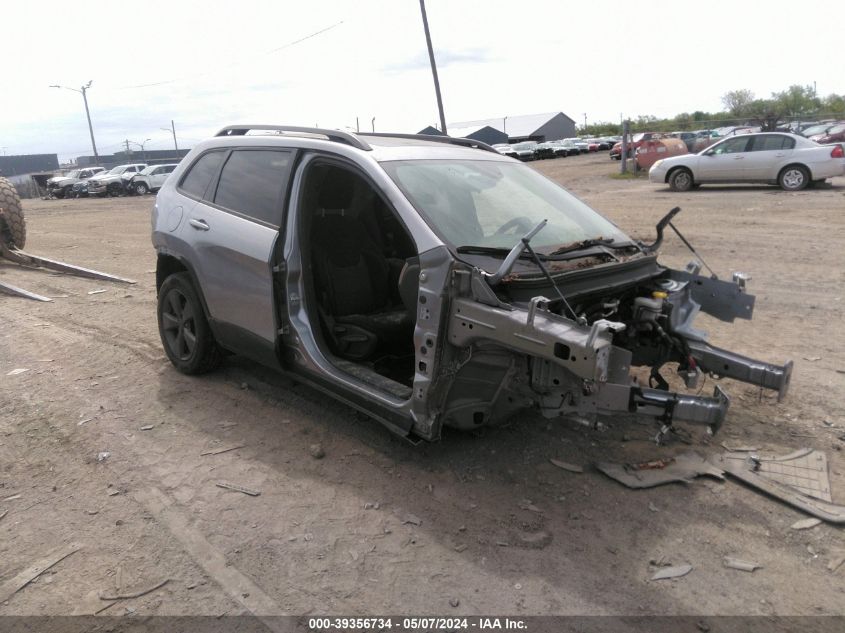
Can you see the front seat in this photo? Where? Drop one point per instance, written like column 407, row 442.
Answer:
column 353, row 278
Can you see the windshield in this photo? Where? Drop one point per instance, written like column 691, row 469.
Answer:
column 117, row 170
column 525, row 146
column 816, row 129
column 73, row 174
column 493, row 204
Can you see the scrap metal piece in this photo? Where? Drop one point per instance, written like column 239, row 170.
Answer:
column 747, row 470
column 683, row 468
column 237, row 488
column 27, row 259
column 20, row 292
column 672, row 572
column 741, row 565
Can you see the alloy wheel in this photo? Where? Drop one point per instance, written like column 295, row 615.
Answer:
column 178, row 324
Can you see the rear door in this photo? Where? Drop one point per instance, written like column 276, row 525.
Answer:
column 159, row 175
column 768, row 153
column 724, row 162
column 233, row 231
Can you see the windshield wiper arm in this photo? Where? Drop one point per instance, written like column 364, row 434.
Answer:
column 580, row 246
column 493, row 251
column 515, row 253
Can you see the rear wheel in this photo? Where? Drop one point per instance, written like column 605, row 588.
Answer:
column 681, row 180
column 793, row 178
column 12, row 222
column 184, row 330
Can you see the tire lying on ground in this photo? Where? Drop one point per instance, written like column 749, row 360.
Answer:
column 12, row 222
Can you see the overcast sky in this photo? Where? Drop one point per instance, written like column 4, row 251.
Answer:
column 217, row 63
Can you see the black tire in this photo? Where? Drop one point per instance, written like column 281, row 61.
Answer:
column 114, row 190
column 184, row 330
column 141, row 188
column 12, row 221
column 681, row 180
column 59, row 193
column 793, row 178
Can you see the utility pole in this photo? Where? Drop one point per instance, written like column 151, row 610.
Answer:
column 433, row 67
column 623, row 157
column 172, row 129
column 83, row 91
column 585, row 123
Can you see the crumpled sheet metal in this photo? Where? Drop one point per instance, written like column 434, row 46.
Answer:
column 682, row 468
column 799, row 479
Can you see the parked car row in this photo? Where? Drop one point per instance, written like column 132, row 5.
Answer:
column 532, row 150
column 129, row 179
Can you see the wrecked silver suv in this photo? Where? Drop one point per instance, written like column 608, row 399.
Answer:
column 430, row 281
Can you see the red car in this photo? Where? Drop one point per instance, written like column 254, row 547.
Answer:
column 836, row 134
column 636, row 140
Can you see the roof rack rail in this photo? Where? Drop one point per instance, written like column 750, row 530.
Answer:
column 464, row 142
column 333, row 135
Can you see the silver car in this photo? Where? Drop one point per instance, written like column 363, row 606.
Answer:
column 788, row 160
column 430, row 282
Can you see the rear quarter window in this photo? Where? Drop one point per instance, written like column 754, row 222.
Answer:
column 252, row 183
column 201, row 173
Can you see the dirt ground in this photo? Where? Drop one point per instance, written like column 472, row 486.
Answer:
column 482, row 521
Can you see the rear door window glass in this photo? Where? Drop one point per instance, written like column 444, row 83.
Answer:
column 201, row 174
column 252, row 183
column 772, row 142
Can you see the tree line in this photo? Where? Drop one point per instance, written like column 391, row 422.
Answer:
column 741, row 107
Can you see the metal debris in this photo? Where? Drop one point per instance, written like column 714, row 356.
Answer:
column 805, row 524
column 672, row 572
column 682, row 468
column 573, row 468
column 237, row 488
column 19, row 370
column 103, row 456
column 147, row 427
column 218, row 451
column 738, row 563
column 134, row 594
column 13, row 585
column 97, row 292
column 739, row 449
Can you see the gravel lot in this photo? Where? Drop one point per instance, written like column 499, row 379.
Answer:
column 483, row 521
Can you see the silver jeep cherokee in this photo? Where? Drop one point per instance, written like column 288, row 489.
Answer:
column 430, row 281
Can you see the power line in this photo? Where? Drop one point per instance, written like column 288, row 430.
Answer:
column 270, row 52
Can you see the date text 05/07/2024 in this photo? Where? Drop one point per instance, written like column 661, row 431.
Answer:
column 416, row 624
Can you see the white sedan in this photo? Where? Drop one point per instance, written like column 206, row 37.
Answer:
column 787, row 160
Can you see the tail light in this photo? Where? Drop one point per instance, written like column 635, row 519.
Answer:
column 837, row 152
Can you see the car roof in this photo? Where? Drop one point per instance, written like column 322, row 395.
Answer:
column 380, row 147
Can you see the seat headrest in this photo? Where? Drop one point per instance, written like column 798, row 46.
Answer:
column 337, row 189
